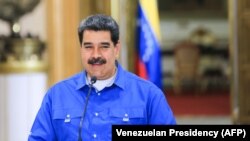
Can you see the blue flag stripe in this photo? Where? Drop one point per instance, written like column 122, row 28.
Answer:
column 149, row 48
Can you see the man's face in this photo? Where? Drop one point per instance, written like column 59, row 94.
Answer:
column 98, row 53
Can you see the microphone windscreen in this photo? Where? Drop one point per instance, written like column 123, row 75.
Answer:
column 93, row 79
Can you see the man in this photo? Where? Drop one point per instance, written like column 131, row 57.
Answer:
column 86, row 105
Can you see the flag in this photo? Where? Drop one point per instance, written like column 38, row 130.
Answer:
column 148, row 61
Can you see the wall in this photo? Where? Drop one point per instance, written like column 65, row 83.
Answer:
column 180, row 29
column 174, row 30
column 21, row 93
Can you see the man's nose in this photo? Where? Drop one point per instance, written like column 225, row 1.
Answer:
column 96, row 52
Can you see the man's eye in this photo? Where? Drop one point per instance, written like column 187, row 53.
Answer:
column 87, row 46
column 105, row 46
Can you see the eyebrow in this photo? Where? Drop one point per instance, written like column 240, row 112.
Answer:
column 86, row 43
column 105, row 43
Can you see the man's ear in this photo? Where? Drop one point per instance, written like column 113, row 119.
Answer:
column 118, row 49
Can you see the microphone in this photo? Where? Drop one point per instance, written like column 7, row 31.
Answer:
column 92, row 81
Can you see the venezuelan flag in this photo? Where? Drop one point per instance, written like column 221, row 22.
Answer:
column 148, row 62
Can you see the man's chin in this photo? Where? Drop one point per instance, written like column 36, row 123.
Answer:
column 97, row 75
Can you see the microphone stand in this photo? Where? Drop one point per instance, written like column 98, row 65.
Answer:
column 92, row 81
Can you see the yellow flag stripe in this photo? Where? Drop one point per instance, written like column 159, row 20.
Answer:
column 151, row 10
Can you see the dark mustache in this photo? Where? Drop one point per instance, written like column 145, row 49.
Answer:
column 98, row 60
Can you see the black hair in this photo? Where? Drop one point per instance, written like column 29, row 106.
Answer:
column 99, row 22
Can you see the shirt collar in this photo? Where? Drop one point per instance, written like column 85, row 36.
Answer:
column 81, row 80
column 119, row 80
column 120, row 77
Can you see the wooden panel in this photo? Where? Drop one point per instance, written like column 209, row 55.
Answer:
column 244, row 59
column 245, row 5
column 63, row 46
column 88, row 7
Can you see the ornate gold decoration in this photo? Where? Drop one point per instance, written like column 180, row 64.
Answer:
column 20, row 54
